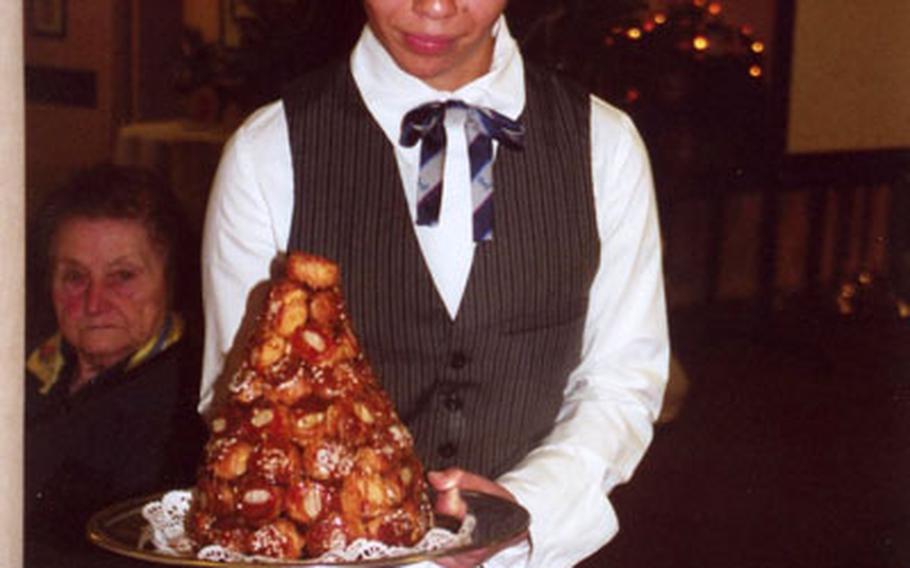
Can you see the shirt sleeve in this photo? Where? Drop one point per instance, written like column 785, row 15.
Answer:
column 246, row 226
column 613, row 397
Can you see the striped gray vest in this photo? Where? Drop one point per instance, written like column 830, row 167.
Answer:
column 481, row 391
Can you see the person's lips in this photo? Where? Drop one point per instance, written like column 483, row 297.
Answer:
column 428, row 44
column 100, row 327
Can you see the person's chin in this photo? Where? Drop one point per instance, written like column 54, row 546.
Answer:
column 419, row 64
column 103, row 341
column 431, row 70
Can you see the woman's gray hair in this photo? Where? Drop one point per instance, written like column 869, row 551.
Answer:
column 116, row 192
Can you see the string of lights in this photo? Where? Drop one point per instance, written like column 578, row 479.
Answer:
column 696, row 29
column 694, row 83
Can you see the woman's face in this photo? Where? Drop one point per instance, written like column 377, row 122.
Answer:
column 108, row 287
column 446, row 43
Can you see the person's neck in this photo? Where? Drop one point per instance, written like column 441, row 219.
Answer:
column 88, row 367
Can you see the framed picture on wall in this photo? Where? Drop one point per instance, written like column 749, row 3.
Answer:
column 47, row 18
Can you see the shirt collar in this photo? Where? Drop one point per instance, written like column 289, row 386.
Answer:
column 48, row 361
column 389, row 92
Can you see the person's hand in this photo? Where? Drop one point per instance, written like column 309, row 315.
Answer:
column 448, row 485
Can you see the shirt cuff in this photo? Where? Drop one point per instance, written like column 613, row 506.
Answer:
column 569, row 521
column 516, row 556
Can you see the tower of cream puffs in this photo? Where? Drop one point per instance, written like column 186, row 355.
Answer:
column 308, row 454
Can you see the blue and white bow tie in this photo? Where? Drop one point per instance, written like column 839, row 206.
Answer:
column 426, row 123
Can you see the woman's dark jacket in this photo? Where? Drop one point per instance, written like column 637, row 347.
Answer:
column 131, row 432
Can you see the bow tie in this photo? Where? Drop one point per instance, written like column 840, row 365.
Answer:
column 426, row 123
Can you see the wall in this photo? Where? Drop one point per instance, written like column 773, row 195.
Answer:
column 203, row 16
column 130, row 46
column 851, row 60
column 60, row 139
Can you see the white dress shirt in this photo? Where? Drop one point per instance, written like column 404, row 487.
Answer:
column 611, row 399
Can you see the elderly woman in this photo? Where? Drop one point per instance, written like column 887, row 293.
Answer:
column 110, row 408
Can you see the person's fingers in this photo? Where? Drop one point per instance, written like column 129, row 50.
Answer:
column 448, row 484
column 448, row 498
column 454, row 478
column 446, row 479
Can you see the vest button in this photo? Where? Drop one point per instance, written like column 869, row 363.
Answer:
column 452, row 402
column 447, row 450
column 458, row 360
